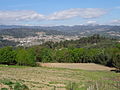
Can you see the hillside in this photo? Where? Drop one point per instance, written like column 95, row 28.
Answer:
column 80, row 30
column 42, row 78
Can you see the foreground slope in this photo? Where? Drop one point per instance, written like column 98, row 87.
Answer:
column 43, row 78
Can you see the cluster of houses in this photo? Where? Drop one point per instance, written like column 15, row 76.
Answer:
column 40, row 38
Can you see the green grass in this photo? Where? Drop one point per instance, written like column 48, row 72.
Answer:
column 13, row 66
column 13, row 85
column 104, row 79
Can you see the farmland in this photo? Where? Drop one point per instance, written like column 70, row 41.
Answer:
column 49, row 78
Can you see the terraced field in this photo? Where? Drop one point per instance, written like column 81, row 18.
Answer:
column 46, row 78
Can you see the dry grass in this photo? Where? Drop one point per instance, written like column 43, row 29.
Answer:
column 44, row 78
column 83, row 66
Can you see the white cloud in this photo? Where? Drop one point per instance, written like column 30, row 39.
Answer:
column 115, row 22
column 77, row 12
column 17, row 17
column 91, row 22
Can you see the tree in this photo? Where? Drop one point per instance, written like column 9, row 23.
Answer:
column 116, row 61
column 7, row 55
column 25, row 57
column 101, row 57
column 45, row 55
column 62, row 55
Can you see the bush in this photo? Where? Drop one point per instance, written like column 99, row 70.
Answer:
column 19, row 86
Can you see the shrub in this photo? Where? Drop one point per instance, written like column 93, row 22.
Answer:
column 19, row 86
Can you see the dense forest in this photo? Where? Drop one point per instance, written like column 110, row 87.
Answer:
column 93, row 49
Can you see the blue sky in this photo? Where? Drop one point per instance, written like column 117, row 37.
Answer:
column 59, row 12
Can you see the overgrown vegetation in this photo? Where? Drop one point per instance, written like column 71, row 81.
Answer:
column 94, row 85
column 94, row 49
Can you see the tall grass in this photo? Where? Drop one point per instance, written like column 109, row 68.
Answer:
column 98, row 85
column 95, row 85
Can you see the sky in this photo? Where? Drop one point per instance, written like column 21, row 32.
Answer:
column 59, row 12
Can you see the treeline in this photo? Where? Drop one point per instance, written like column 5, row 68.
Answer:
column 66, row 52
column 29, row 56
column 109, row 56
column 95, row 41
column 19, row 56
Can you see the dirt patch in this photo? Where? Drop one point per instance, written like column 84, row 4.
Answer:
column 83, row 66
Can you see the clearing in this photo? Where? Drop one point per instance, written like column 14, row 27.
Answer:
column 83, row 66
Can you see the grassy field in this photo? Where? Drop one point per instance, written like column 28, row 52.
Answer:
column 83, row 66
column 47, row 78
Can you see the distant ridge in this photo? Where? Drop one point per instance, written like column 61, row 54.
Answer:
column 81, row 30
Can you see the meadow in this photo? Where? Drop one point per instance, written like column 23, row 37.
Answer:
column 54, row 78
